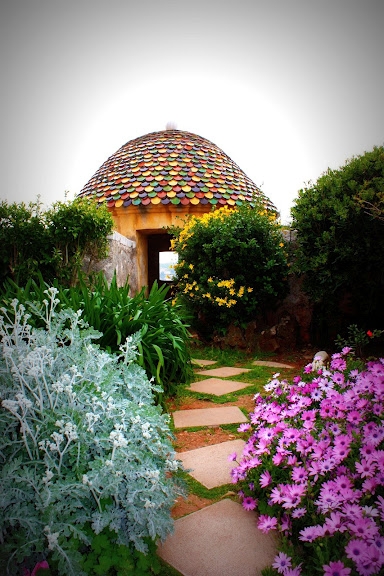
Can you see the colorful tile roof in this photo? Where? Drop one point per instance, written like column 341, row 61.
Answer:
column 171, row 167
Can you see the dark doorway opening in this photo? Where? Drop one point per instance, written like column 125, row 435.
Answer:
column 157, row 243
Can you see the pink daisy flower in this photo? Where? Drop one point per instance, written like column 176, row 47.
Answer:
column 292, row 495
column 364, row 528
column 336, row 569
column 299, row 474
column 335, row 523
column 366, row 468
column 298, row 512
column 310, row 533
column 267, row 523
column 296, row 571
column 346, row 350
column 354, row 417
column 371, row 562
column 378, row 409
column 355, row 549
column 338, row 364
column 249, row 503
column 265, row 479
column 367, row 450
column 244, row 427
column 370, row 485
column 277, row 459
column 276, row 496
column 282, row 562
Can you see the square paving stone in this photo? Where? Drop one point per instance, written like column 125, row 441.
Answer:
column 223, row 372
column 203, row 362
column 208, row 417
column 219, row 540
column 271, row 364
column 210, row 465
column 217, row 386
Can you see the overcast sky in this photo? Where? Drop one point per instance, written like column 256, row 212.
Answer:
column 286, row 88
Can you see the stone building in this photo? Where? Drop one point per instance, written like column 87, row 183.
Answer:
column 156, row 181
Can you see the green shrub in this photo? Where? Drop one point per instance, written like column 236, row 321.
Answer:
column 357, row 340
column 340, row 243
column 232, row 265
column 82, row 445
column 164, row 337
column 51, row 243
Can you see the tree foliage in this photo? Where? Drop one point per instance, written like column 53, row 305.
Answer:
column 340, row 240
column 54, row 242
column 232, row 265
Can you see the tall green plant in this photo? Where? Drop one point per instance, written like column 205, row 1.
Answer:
column 108, row 308
column 232, row 265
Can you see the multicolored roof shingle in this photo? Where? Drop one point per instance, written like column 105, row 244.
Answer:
column 171, row 167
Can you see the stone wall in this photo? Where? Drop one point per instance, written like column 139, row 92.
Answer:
column 121, row 259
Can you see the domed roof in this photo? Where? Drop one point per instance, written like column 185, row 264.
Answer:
column 171, row 167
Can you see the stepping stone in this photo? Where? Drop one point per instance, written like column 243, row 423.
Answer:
column 208, row 417
column 203, row 362
column 210, row 465
column 271, row 364
column 217, row 386
column 223, row 372
column 220, row 540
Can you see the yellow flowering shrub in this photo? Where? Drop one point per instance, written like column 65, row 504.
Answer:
column 232, row 265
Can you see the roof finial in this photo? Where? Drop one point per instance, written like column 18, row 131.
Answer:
column 171, row 125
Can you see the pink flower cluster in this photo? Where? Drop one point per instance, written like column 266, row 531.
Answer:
column 316, row 453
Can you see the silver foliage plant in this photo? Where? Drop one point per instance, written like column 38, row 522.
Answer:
column 81, row 441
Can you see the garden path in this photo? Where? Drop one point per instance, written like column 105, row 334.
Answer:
column 221, row 538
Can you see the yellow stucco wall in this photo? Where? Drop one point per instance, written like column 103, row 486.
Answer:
column 137, row 222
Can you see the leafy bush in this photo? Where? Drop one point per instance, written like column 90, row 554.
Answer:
column 52, row 243
column 313, row 468
column 163, row 347
column 81, row 443
column 340, row 244
column 232, row 265
column 357, row 339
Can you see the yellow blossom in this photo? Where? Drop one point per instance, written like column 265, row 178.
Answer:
column 226, row 283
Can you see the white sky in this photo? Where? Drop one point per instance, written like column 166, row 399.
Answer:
column 286, row 88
